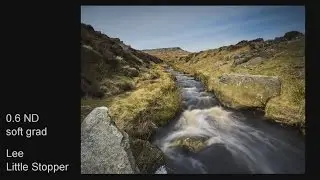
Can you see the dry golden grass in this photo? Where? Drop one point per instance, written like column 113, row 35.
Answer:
column 154, row 101
column 149, row 106
column 287, row 108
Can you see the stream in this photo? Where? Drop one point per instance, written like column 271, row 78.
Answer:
column 237, row 141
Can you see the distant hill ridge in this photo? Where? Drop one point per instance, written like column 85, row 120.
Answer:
column 165, row 49
column 168, row 54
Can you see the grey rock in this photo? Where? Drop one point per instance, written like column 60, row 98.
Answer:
column 255, row 61
column 240, row 60
column 268, row 81
column 245, row 90
column 104, row 148
column 148, row 156
column 190, row 143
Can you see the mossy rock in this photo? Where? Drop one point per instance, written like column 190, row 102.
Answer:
column 246, row 91
column 147, row 156
column 193, row 144
column 286, row 113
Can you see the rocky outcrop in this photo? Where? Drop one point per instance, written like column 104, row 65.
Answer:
column 283, row 57
column 148, row 157
column 289, row 36
column 255, row 61
column 102, row 57
column 246, row 91
column 104, row 148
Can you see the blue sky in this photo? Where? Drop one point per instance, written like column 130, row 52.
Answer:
column 193, row 28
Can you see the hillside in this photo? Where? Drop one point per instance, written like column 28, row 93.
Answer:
column 230, row 71
column 139, row 94
column 168, row 54
column 107, row 64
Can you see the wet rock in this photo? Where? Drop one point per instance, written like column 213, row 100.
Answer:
column 246, row 91
column 104, row 148
column 148, row 157
column 193, row 144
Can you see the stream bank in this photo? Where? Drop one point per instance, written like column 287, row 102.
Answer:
column 232, row 141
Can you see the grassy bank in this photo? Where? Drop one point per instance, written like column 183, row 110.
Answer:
column 138, row 92
column 152, row 103
column 284, row 60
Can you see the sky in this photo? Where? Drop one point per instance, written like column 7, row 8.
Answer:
column 193, row 28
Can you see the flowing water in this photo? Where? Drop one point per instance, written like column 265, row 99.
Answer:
column 236, row 141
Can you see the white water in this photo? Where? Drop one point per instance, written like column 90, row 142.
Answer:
column 237, row 142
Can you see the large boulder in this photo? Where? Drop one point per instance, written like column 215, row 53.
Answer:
column 240, row 60
column 286, row 113
column 246, row 91
column 255, row 61
column 104, row 148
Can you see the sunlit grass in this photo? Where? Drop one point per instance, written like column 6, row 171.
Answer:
column 154, row 101
column 288, row 64
column 148, row 107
